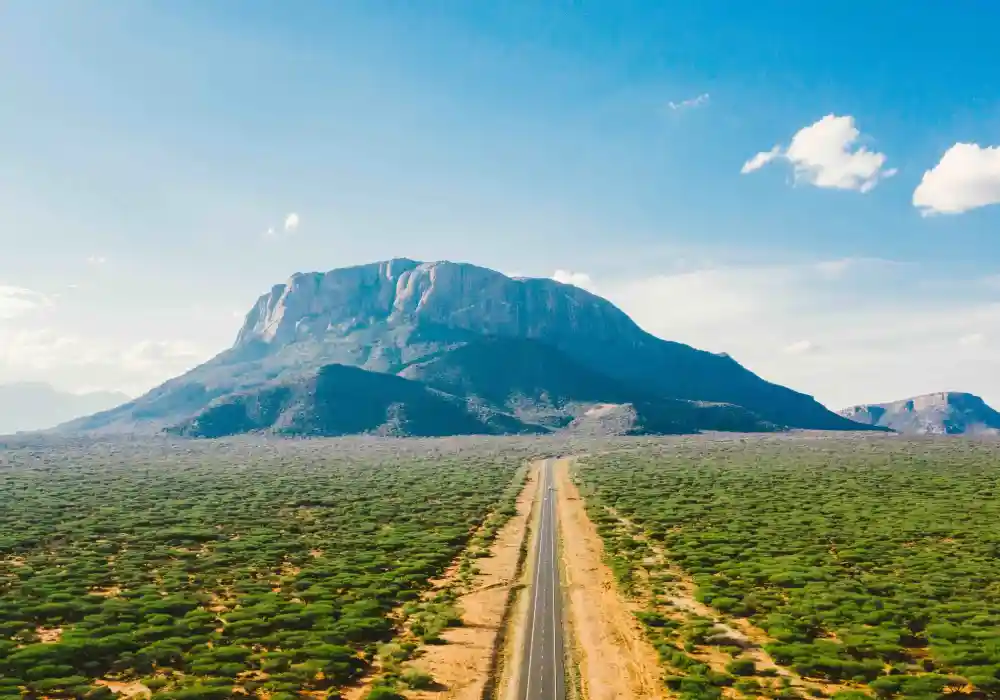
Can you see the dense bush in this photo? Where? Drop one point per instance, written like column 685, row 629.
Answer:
column 274, row 570
column 871, row 562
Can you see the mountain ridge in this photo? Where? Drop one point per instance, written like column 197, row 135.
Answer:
column 390, row 316
column 937, row 413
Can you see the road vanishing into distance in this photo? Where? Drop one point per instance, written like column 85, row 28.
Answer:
column 542, row 673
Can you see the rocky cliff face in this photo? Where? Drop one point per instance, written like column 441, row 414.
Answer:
column 454, row 295
column 388, row 316
column 941, row 413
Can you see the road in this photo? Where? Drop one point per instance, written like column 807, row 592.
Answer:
column 542, row 676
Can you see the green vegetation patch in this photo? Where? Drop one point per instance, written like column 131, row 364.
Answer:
column 873, row 562
column 271, row 569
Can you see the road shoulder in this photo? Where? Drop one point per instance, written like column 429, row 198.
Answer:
column 616, row 661
column 464, row 665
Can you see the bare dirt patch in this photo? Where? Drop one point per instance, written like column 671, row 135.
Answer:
column 680, row 603
column 462, row 666
column 108, row 592
column 616, row 660
column 126, row 690
column 49, row 635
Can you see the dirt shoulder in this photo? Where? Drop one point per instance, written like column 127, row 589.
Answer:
column 465, row 662
column 616, row 660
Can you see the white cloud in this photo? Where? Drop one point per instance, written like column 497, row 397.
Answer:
column 67, row 359
column 967, row 177
column 17, row 301
column 577, row 279
column 760, row 160
column 972, row 339
column 826, row 154
column 149, row 355
column 799, row 347
column 690, row 102
column 96, row 260
column 861, row 332
column 291, row 222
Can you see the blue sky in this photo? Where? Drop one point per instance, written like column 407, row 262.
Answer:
column 146, row 148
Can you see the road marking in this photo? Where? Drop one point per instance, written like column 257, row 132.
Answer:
column 538, row 568
column 552, row 580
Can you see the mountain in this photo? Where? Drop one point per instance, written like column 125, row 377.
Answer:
column 36, row 405
column 944, row 413
column 443, row 324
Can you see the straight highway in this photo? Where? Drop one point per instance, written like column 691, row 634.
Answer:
column 542, row 672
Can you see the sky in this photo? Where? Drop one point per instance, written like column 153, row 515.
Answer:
column 810, row 188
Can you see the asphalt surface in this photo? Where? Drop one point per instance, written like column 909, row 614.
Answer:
column 542, row 673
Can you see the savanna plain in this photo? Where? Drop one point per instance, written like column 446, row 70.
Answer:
column 785, row 566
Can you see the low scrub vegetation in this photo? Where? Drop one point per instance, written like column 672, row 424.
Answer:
column 264, row 570
column 864, row 567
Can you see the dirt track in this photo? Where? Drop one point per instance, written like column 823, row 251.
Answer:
column 616, row 661
column 461, row 666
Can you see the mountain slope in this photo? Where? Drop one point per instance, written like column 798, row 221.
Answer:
column 36, row 405
column 944, row 413
column 541, row 385
column 341, row 400
column 390, row 316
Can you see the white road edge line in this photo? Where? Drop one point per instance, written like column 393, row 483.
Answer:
column 555, row 563
column 534, row 607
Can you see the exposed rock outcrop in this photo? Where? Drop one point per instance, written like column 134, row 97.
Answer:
column 942, row 413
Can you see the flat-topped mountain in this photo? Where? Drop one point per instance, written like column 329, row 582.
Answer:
column 943, row 413
column 537, row 350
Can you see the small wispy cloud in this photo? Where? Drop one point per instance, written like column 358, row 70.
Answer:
column 96, row 260
column 800, row 347
column 288, row 227
column 17, row 301
column 690, row 103
column 577, row 279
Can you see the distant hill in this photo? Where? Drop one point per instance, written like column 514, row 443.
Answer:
column 36, row 405
column 944, row 413
column 539, row 351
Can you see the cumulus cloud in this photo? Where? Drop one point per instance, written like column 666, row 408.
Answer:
column 291, row 222
column 967, row 177
column 17, row 301
column 689, row 103
column 577, row 279
column 826, row 154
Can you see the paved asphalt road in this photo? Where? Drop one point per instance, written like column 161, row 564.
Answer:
column 542, row 661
